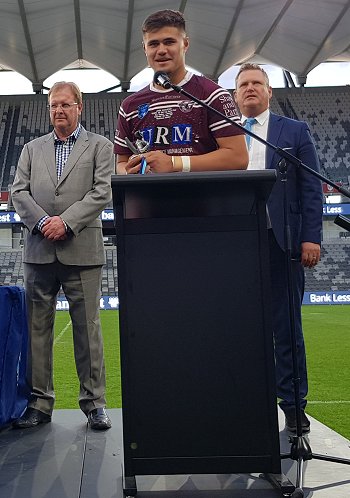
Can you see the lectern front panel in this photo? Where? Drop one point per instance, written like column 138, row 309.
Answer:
column 196, row 339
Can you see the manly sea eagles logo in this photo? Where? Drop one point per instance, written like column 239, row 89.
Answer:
column 186, row 105
column 142, row 110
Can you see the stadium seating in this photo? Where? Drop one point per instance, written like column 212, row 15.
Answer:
column 326, row 110
column 11, row 270
column 25, row 117
column 331, row 274
column 109, row 275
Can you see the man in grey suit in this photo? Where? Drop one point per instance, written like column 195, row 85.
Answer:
column 61, row 186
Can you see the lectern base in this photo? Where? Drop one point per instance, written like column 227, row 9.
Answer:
column 279, row 481
column 129, row 486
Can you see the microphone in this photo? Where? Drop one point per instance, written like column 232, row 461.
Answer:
column 162, row 79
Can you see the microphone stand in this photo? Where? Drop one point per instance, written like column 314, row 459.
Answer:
column 300, row 448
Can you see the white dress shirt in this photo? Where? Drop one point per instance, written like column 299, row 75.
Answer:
column 257, row 151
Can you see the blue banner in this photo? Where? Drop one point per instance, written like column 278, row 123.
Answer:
column 9, row 217
column 106, row 303
column 327, row 297
column 335, row 209
column 12, row 216
column 322, row 297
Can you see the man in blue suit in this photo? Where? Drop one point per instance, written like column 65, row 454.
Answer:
column 304, row 206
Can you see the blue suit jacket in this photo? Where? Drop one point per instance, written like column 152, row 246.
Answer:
column 304, row 190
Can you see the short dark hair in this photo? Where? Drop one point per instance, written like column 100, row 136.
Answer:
column 248, row 66
column 161, row 18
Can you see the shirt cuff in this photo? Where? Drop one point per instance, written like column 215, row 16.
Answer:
column 40, row 224
column 68, row 230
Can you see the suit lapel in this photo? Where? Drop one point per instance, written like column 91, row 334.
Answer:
column 79, row 147
column 49, row 157
column 273, row 134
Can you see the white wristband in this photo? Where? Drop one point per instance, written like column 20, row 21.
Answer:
column 186, row 164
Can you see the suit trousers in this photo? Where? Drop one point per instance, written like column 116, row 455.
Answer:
column 281, row 326
column 82, row 288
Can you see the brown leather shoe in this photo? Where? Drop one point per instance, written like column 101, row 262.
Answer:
column 31, row 418
column 99, row 420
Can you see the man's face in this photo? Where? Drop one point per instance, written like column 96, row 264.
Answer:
column 64, row 120
column 165, row 50
column 252, row 93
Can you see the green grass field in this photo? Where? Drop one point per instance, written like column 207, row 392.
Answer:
column 65, row 377
column 327, row 337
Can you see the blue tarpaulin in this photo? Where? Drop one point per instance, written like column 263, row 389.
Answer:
column 14, row 391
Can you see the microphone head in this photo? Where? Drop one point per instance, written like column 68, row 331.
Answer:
column 161, row 78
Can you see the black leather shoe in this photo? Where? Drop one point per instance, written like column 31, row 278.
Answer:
column 31, row 418
column 99, row 420
column 291, row 422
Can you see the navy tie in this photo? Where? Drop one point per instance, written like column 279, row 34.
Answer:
column 248, row 126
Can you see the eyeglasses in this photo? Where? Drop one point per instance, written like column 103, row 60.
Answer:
column 65, row 107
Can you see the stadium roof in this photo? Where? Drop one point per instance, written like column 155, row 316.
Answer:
column 40, row 37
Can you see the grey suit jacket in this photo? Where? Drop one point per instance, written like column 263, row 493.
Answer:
column 80, row 195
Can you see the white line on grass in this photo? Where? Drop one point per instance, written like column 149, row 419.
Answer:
column 335, row 402
column 61, row 334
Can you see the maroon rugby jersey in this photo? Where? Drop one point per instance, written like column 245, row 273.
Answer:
column 172, row 122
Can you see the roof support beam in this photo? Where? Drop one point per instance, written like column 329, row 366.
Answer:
column 23, row 15
column 273, row 26
column 182, row 6
column 342, row 13
column 78, row 28
column 227, row 38
column 125, row 83
column 288, row 79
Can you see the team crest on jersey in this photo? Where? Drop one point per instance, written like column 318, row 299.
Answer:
column 186, row 105
column 142, row 110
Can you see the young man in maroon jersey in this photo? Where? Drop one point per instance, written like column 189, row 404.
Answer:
column 181, row 134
